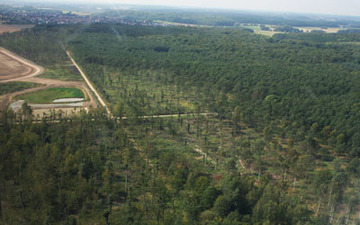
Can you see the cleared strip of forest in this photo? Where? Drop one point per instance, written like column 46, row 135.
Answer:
column 102, row 102
column 174, row 115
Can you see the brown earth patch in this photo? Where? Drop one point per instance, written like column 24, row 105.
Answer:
column 10, row 68
column 14, row 67
column 13, row 27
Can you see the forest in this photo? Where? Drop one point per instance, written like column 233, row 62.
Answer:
column 283, row 147
column 229, row 18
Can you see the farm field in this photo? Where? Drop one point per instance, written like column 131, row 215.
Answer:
column 257, row 29
column 13, row 28
column 326, row 30
column 271, row 32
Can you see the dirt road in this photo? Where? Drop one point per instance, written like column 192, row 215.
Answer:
column 173, row 115
column 102, row 102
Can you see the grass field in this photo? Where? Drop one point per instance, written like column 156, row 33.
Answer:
column 180, row 24
column 77, row 13
column 327, row 30
column 48, row 95
column 257, row 29
column 62, row 72
column 270, row 33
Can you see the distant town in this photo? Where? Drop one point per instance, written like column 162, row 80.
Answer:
column 24, row 15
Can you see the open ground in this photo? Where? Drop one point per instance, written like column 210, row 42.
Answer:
column 13, row 27
column 15, row 68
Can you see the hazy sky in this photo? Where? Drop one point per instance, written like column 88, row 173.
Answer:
column 347, row 7
column 340, row 7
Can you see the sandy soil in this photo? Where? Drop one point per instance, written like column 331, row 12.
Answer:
column 11, row 68
column 15, row 68
column 102, row 102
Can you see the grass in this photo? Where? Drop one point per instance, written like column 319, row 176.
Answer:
column 49, row 95
column 62, row 72
column 327, row 30
column 257, row 29
column 346, row 43
column 16, row 86
column 253, row 27
column 180, row 24
column 79, row 13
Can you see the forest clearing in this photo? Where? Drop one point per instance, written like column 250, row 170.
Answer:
column 35, row 90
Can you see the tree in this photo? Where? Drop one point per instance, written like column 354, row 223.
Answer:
column 237, row 115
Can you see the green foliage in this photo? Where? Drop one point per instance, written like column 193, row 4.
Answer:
column 65, row 73
column 288, row 106
column 16, row 86
column 41, row 44
column 295, row 78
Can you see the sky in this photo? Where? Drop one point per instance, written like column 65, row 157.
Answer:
column 335, row 7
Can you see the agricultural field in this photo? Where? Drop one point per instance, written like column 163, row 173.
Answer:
column 330, row 30
column 13, row 28
column 79, row 13
column 257, row 29
column 47, row 96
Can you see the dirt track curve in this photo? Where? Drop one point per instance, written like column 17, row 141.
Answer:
column 16, row 68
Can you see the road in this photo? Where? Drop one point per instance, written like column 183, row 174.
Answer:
column 173, row 115
column 101, row 101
